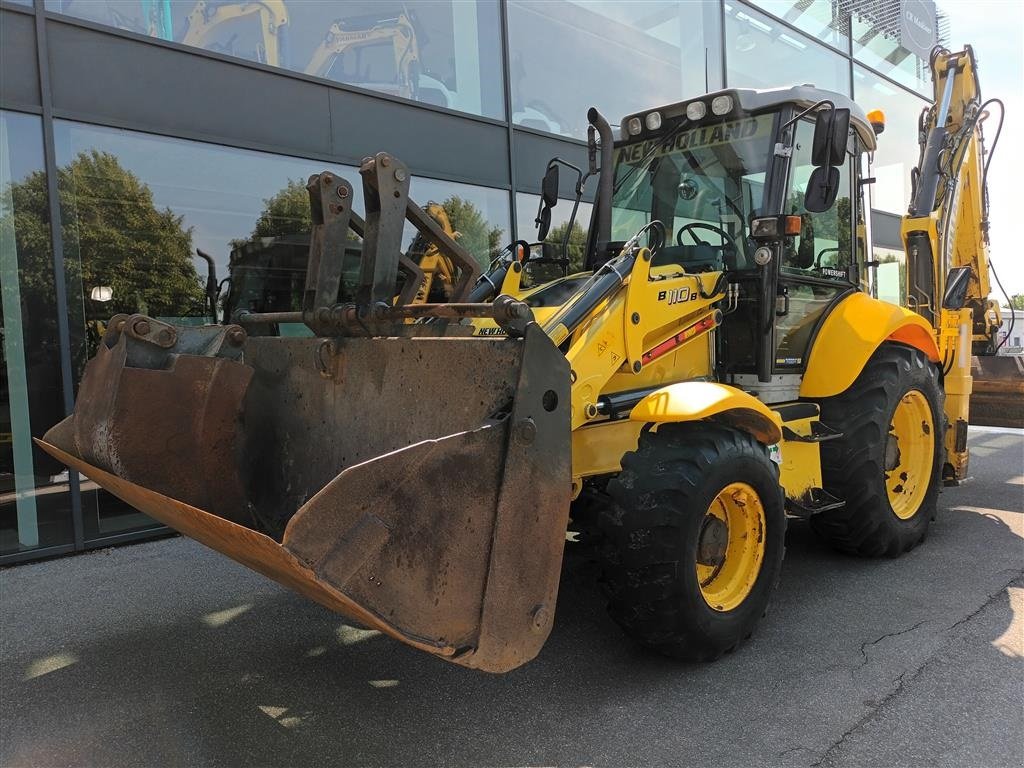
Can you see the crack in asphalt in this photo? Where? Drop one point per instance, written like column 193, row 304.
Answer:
column 864, row 646
column 910, row 674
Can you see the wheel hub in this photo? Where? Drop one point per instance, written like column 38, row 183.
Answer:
column 714, row 539
column 730, row 546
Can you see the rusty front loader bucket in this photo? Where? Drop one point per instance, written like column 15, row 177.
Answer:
column 408, row 475
column 418, row 485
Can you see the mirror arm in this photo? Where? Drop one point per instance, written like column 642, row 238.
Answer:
column 813, row 107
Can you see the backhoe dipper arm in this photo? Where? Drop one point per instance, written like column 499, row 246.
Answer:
column 947, row 228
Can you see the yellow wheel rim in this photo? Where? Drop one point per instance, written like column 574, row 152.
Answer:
column 730, row 547
column 909, row 454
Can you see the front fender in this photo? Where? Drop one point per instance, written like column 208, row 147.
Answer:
column 697, row 400
column 850, row 335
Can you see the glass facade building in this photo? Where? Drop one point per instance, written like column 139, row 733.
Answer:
column 133, row 132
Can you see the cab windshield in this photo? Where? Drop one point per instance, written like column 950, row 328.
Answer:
column 704, row 184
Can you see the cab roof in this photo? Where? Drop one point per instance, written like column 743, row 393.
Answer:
column 755, row 100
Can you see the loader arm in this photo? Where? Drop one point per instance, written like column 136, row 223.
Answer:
column 945, row 235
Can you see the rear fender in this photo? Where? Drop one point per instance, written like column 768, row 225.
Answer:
column 849, row 337
column 700, row 400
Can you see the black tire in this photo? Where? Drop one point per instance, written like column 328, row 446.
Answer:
column 652, row 528
column 853, row 467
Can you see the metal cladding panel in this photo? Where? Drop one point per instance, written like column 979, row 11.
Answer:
column 152, row 87
column 19, row 83
column 532, row 153
column 431, row 143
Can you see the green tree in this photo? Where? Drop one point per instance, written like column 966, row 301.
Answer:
column 1017, row 301
column 476, row 234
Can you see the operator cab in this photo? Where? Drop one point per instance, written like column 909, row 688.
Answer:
column 709, row 168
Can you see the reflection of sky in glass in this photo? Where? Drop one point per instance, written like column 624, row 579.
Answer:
column 897, row 149
column 620, row 57
column 813, row 18
column 761, row 53
column 458, row 42
column 221, row 191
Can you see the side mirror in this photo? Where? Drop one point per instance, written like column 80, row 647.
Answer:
column 549, row 186
column 956, row 288
column 822, row 189
column 543, row 221
column 548, row 200
column 831, row 128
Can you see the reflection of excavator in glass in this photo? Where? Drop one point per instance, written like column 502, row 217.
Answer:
column 206, row 18
column 269, row 274
column 209, row 17
column 358, row 32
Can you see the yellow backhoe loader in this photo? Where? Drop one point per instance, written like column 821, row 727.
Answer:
column 719, row 369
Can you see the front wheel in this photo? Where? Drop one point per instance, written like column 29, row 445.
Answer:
column 694, row 539
column 888, row 463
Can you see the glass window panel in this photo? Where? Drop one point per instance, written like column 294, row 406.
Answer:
column 526, row 214
column 35, row 506
column 137, row 206
column 479, row 214
column 877, row 44
column 822, row 249
column 820, row 19
column 134, row 209
column 897, row 151
column 441, row 52
column 566, row 57
column 891, row 275
column 762, row 53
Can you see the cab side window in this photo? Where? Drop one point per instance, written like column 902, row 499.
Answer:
column 822, row 249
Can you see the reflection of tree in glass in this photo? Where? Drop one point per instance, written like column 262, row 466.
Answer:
column 284, row 213
column 537, row 274
column 287, row 213
column 475, row 233
column 122, row 240
column 577, row 243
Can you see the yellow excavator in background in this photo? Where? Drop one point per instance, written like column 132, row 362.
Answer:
column 719, row 369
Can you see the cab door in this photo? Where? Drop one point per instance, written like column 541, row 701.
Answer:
column 817, row 267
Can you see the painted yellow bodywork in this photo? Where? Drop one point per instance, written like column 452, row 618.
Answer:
column 597, row 448
column 799, row 463
column 963, row 242
column 851, row 334
column 699, row 400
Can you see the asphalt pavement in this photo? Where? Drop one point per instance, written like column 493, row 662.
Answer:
column 166, row 653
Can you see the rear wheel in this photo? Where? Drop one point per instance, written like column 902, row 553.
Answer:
column 694, row 539
column 887, row 465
